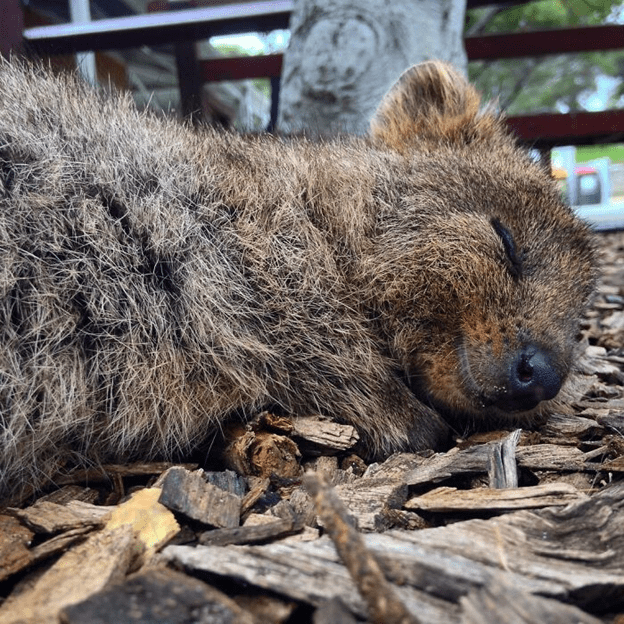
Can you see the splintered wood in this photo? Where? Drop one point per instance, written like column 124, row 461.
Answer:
column 516, row 526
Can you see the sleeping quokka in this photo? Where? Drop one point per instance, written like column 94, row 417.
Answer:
column 156, row 280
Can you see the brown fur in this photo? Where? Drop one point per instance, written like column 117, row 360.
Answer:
column 155, row 280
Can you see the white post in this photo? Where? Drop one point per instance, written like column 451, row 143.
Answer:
column 79, row 11
column 345, row 54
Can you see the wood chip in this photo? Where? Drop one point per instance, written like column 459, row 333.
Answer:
column 308, row 572
column 396, row 467
column 228, row 481
column 59, row 543
column 157, row 596
column 259, row 487
column 251, row 534
column 266, row 609
column 71, row 493
column 107, row 472
column 14, row 541
column 448, row 499
column 568, row 430
column 553, row 457
column 132, row 533
column 613, row 421
column 333, row 612
column 501, row 602
column 188, row 493
column 325, row 435
column 368, row 502
column 574, row 554
column 153, row 524
column 615, row 465
column 47, row 517
column 502, row 469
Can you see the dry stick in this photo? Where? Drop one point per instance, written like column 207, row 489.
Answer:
column 384, row 606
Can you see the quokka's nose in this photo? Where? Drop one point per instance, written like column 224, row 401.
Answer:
column 532, row 379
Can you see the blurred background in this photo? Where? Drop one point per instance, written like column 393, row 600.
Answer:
column 554, row 67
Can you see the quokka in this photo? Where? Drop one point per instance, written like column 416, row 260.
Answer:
column 156, row 280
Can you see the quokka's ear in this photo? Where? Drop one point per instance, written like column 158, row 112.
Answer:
column 432, row 101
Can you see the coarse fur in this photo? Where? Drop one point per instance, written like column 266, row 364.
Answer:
column 156, row 279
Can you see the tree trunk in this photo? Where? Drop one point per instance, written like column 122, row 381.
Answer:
column 345, row 54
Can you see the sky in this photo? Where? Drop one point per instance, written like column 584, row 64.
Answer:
column 598, row 101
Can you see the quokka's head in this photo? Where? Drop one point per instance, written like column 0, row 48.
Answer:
column 482, row 272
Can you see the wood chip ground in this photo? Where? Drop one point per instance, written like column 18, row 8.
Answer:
column 514, row 526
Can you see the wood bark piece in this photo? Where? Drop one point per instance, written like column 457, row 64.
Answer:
column 107, row 472
column 615, row 465
column 325, row 435
column 396, row 467
column 266, row 609
column 228, row 481
column 46, row 517
column 369, row 502
column 384, row 606
column 574, row 552
column 251, row 534
column 554, row 457
column 445, row 499
column 59, row 543
column 71, row 493
column 500, row 602
column 258, row 487
column 326, row 465
column 188, row 493
column 567, row 429
column 14, row 541
column 158, row 596
column 594, row 360
column 613, row 421
column 303, row 506
column 309, row 572
column 502, row 470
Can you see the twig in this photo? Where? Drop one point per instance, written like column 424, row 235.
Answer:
column 384, row 606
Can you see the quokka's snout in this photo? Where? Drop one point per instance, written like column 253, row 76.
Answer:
column 532, row 379
column 518, row 381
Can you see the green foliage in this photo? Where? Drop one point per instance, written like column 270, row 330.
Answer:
column 231, row 50
column 545, row 14
column 591, row 152
column 269, row 43
column 554, row 83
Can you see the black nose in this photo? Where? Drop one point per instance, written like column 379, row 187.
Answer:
column 532, row 378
